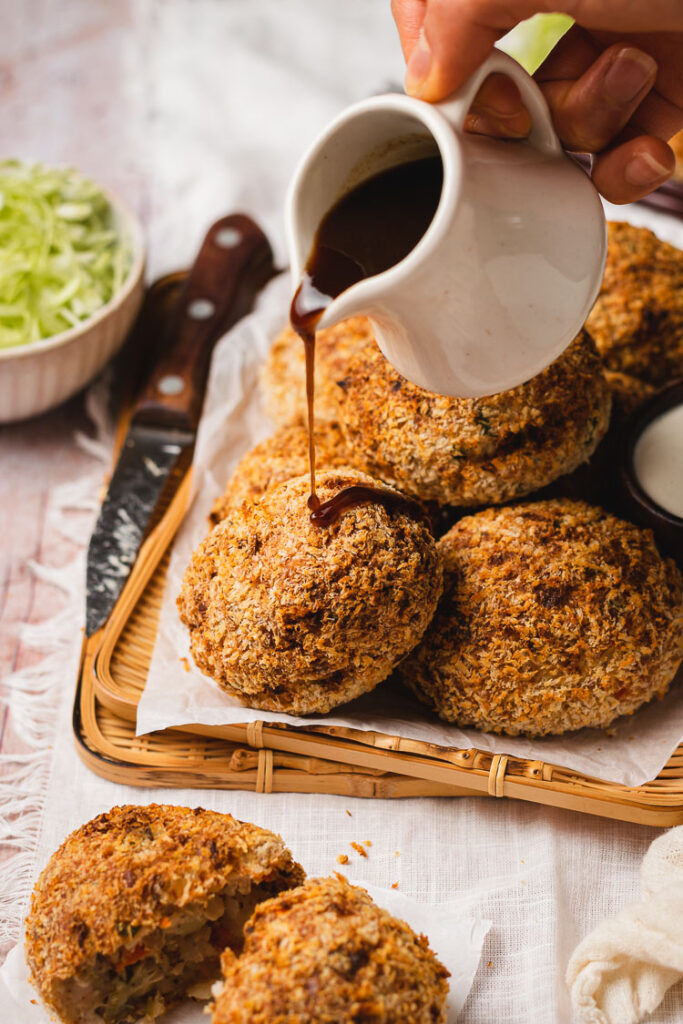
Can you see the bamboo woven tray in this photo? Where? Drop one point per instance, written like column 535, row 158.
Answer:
column 107, row 744
column 365, row 763
column 273, row 757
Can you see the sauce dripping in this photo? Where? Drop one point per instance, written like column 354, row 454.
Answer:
column 327, row 513
column 368, row 230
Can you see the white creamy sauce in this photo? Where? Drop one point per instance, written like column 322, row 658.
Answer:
column 658, row 460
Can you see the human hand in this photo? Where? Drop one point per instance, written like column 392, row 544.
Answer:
column 614, row 82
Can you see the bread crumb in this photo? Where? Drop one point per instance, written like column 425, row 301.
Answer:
column 359, row 849
column 397, row 854
column 349, row 813
column 185, row 663
column 490, row 963
column 367, row 842
column 394, row 885
column 342, row 858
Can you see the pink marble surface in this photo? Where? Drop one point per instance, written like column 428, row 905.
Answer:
column 35, row 457
column 65, row 97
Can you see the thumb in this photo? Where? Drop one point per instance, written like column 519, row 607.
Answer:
column 409, row 16
column 449, row 47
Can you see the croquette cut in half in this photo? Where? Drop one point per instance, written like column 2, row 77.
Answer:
column 283, row 375
column 280, row 457
column 474, row 451
column 294, row 617
column 555, row 615
column 637, row 319
column 135, row 907
column 325, row 953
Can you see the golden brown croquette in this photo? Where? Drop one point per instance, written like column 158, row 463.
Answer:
column 294, row 617
column 596, row 481
column 637, row 320
column 326, row 954
column 463, row 451
column 628, row 394
column 136, row 906
column 283, row 375
column 554, row 616
column 279, row 458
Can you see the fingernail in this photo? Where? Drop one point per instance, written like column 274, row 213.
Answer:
column 643, row 169
column 419, row 65
column 629, row 74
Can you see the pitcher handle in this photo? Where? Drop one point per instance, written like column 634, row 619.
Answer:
column 456, row 107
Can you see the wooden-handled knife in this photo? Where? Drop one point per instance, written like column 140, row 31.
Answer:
column 234, row 262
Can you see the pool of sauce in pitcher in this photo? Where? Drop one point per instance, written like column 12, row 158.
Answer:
column 371, row 228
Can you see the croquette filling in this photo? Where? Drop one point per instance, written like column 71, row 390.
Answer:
column 155, row 969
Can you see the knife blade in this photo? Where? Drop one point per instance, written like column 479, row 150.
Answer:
column 233, row 264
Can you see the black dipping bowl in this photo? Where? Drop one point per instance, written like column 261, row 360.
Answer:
column 667, row 528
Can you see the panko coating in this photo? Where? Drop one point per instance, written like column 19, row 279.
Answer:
column 325, row 953
column 628, row 394
column 555, row 615
column 136, row 906
column 474, row 451
column 637, row 319
column 294, row 617
column 596, row 481
column 283, row 375
column 278, row 458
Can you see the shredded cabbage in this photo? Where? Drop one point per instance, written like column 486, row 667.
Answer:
column 61, row 257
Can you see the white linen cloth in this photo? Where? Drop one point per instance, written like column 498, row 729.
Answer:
column 190, row 109
column 620, row 972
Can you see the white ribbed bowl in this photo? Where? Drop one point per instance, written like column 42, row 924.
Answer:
column 38, row 376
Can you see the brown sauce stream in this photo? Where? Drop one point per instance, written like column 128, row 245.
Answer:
column 367, row 231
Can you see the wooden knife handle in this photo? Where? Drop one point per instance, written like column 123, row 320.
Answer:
column 233, row 264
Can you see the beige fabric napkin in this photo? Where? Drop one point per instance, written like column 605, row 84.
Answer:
column 620, row 972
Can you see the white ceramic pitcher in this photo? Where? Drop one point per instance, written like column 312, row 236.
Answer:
column 506, row 273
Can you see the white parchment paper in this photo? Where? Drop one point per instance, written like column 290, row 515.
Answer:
column 457, row 942
column 632, row 752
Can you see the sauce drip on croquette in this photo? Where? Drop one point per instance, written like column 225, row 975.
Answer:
column 371, row 228
column 327, row 513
